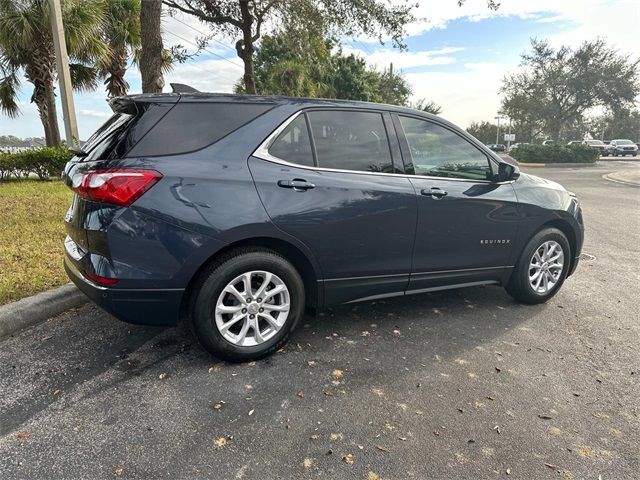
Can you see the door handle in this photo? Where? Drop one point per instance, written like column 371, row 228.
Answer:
column 297, row 184
column 434, row 192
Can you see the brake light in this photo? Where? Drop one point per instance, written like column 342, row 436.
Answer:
column 118, row 187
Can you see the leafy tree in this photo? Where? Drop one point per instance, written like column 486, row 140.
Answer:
column 428, row 106
column 249, row 20
column 26, row 44
column 557, row 87
column 302, row 63
column 483, row 131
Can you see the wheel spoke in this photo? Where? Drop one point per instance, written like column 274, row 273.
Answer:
column 230, row 308
column 235, row 319
column 257, row 334
column 273, row 292
column 234, row 291
column 242, row 334
column 246, row 281
column 265, row 284
column 271, row 321
column 276, row 308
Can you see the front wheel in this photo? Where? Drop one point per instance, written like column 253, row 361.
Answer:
column 542, row 267
column 247, row 305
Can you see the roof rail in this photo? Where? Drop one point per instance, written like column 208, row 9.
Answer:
column 182, row 88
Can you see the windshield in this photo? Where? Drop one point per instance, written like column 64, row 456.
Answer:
column 594, row 142
column 624, row 142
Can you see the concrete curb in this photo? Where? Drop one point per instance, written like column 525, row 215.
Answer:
column 612, row 178
column 579, row 165
column 38, row 308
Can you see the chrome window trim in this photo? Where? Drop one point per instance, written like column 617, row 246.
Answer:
column 262, row 152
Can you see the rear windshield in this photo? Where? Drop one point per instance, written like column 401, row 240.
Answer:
column 624, row 142
column 192, row 126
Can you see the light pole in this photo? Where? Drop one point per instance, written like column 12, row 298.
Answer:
column 64, row 77
column 498, row 117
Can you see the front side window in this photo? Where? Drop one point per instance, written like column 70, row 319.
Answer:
column 439, row 152
column 351, row 140
column 293, row 145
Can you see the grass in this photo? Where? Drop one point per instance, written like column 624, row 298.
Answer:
column 31, row 237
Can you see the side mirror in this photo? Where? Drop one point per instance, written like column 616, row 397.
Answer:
column 507, row 172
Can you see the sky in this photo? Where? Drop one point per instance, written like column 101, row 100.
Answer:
column 456, row 56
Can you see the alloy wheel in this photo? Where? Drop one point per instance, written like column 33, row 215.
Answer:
column 252, row 308
column 545, row 267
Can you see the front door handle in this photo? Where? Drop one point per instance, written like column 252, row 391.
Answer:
column 297, row 184
column 434, row 192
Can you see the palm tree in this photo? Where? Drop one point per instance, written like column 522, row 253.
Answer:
column 26, row 47
column 122, row 35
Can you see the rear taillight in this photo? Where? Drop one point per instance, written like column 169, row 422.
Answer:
column 118, row 187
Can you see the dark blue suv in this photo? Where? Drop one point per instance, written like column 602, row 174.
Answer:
column 237, row 212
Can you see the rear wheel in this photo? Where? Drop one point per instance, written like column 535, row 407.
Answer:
column 247, row 305
column 542, row 267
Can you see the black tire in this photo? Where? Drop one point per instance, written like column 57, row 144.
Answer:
column 519, row 286
column 217, row 277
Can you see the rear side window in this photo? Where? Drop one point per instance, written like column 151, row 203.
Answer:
column 351, row 140
column 192, row 126
column 102, row 144
column 293, row 144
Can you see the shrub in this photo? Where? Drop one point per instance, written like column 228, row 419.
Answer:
column 555, row 154
column 44, row 162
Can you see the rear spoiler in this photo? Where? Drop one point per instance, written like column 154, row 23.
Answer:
column 182, row 88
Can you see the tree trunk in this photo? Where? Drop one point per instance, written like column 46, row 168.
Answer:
column 244, row 48
column 151, row 40
column 54, row 130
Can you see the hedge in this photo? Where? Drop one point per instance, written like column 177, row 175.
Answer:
column 555, row 154
column 44, row 162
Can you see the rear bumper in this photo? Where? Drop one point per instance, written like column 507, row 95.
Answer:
column 138, row 306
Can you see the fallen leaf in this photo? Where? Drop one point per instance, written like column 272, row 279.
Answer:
column 251, row 364
column 335, row 383
column 551, row 465
column 489, row 397
column 545, row 416
column 220, row 442
column 311, row 363
column 348, row 459
column 382, row 449
column 251, row 412
column 307, row 463
column 218, row 405
column 213, row 369
column 419, row 412
column 373, row 476
column 365, row 334
column 337, row 373
column 497, row 428
column 56, row 392
column 314, row 436
column 388, row 426
column 471, row 375
column 328, row 393
column 162, row 376
column 23, row 435
column 508, row 471
column 378, row 391
column 248, row 387
column 119, row 471
column 396, row 333
column 300, row 394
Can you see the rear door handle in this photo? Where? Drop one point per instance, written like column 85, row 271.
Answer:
column 297, row 184
column 434, row 192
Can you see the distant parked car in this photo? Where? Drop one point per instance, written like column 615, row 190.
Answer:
column 598, row 145
column 574, row 142
column 497, row 147
column 548, row 142
column 622, row 147
column 516, row 145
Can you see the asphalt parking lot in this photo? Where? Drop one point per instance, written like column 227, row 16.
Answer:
column 459, row 384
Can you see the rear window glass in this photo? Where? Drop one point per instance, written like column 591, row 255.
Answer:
column 102, row 143
column 293, row 144
column 192, row 126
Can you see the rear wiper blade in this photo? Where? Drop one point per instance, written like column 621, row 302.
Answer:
column 77, row 151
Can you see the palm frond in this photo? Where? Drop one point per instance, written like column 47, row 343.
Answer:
column 9, row 87
column 83, row 77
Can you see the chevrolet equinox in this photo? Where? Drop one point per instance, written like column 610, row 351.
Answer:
column 238, row 212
